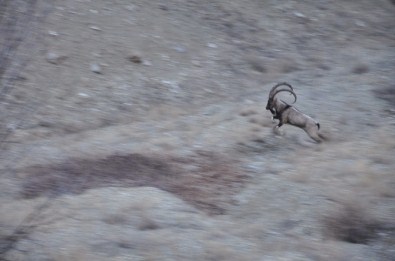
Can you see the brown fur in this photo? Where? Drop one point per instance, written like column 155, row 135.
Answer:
column 288, row 114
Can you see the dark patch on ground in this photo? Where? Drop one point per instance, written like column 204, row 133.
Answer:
column 387, row 94
column 14, row 16
column 352, row 224
column 204, row 180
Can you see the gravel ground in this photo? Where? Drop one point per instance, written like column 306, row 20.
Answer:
column 137, row 130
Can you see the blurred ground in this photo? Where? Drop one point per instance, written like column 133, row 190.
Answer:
column 137, row 130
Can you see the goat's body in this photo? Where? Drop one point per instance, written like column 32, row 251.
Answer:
column 288, row 114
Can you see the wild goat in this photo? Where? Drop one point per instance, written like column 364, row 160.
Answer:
column 288, row 114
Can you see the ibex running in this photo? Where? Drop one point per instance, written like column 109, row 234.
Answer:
column 288, row 114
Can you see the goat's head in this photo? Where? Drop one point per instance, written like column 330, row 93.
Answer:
column 274, row 91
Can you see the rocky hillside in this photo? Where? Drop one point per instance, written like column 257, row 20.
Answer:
column 137, row 130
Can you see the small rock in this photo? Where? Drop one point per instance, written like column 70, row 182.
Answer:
column 212, row 45
column 163, row 7
column 22, row 77
column 172, row 85
column 82, row 94
column 257, row 64
column 390, row 111
column 55, row 58
column 147, row 63
column 179, row 49
column 360, row 69
column 360, row 23
column 96, row 28
column 95, row 68
column 196, row 63
column 12, row 126
column 135, row 59
column 298, row 14
column 165, row 57
column 45, row 124
column 53, row 33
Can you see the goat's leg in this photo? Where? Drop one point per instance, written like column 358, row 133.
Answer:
column 322, row 137
column 276, row 128
column 313, row 133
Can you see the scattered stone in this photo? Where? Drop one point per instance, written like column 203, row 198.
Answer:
column 82, row 94
column 12, row 127
column 95, row 68
column 55, row 58
column 147, row 63
column 21, row 77
column 360, row 23
column 390, row 111
column 298, row 14
column 324, row 67
column 45, row 124
column 96, row 28
column 165, row 57
column 179, row 49
column 172, row 85
column 212, row 45
column 163, row 7
column 135, row 59
column 53, row 33
column 257, row 64
column 360, row 69
column 196, row 63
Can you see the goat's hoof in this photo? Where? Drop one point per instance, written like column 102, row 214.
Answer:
column 278, row 132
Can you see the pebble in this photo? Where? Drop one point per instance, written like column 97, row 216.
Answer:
column 163, row 7
column 173, row 86
column 360, row 23
column 135, row 58
column 12, row 126
column 96, row 28
column 82, row 94
column 95, row 68
column 147, row 63
column 55, row 58
column 212, row 45
column 53, row 33
column 196, row 63
column 179, row 49
column 298, row 14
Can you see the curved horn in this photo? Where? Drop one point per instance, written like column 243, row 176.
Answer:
column 283, row 90
column 278, row 85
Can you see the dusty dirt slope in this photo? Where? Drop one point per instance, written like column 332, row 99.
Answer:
column 137, row 130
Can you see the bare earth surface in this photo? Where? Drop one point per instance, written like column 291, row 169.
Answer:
column 137, row 130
